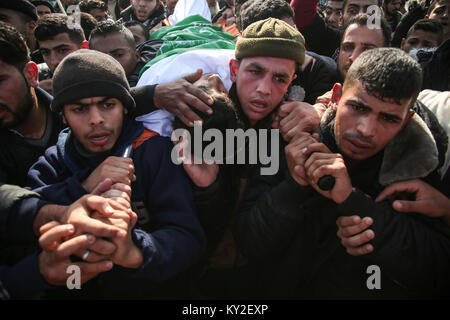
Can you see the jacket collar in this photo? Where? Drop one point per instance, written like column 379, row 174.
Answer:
column 411, row 154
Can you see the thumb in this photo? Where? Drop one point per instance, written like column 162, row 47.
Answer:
column 409, row 206
column 102, row 187
column 194, row 76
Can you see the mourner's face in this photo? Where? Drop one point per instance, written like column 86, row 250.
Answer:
column 99, row 14
column 354, row 7
column 355, row 41
column 441, row 13
column 56, row 49
column 95, row 122
column 42, row 10
column 420, row 39
column 333, row 13
column 117, row 47
column 261, row 83
column 16, row 101
column 143, row 8
column 393, row 7
column 365, row 124
column 138, row 34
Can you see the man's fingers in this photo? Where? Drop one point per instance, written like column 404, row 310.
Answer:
column 194, row 76
column 285, row 109
column 101, row 229
column 352, row 230
column 404, row 186
column 54, row 236
column 104, row 206
column 48, row 226
column 122, row 187
column 103, row 247
column 99, row 250
column 198, row 99
column 358, row 240
column 71, row 246
column 410, row 206
column 343, row 222
column 90, row 270
column 102, row 187
column 360, row 251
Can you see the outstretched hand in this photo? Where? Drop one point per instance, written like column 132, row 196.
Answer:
column 180, row 96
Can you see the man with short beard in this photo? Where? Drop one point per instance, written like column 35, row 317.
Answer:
column 27, row 126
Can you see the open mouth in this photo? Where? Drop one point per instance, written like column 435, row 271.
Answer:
column 258, row 105
column 357, row 146
column 99, row 139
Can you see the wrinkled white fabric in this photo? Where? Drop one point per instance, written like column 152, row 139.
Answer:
column 177, row 66
column 186, row 8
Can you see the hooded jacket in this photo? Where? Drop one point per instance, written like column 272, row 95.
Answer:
column 167, row 232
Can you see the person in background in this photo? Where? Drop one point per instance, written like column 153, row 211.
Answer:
column 95, row 8
column 148, row 12
column 43, row 7
column 139, row 31
column 333, row 13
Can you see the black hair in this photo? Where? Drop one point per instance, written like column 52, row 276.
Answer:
column 138, row 23
column 224, row 117
column 88, row 23
column 124, row 3
column 13, row 48
column 387, row 73
column 43, row 3
column 379, row 4
column 362, row 19
column 428, row 25
column 262, row 9
column 105, row 28
column 433, row 5
column 54, row 24
column 87, row 6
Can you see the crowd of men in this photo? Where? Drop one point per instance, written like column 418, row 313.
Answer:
column 352, row 98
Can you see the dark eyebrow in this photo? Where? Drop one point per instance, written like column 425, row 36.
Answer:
column 61, row 46
column 281, row 74
column 81, row 104
column 118, row 49
column 256, row 65
column 391, row 116
column 359, row 103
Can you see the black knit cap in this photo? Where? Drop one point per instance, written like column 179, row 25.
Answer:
column 23, row 6
column 90, row 73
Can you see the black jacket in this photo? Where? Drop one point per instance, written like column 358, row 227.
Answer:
column 436, row 71
column 288, row 232
column 320, row 37
column 17, row 153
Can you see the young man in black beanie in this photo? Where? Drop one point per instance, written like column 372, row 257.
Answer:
column 91, row 91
